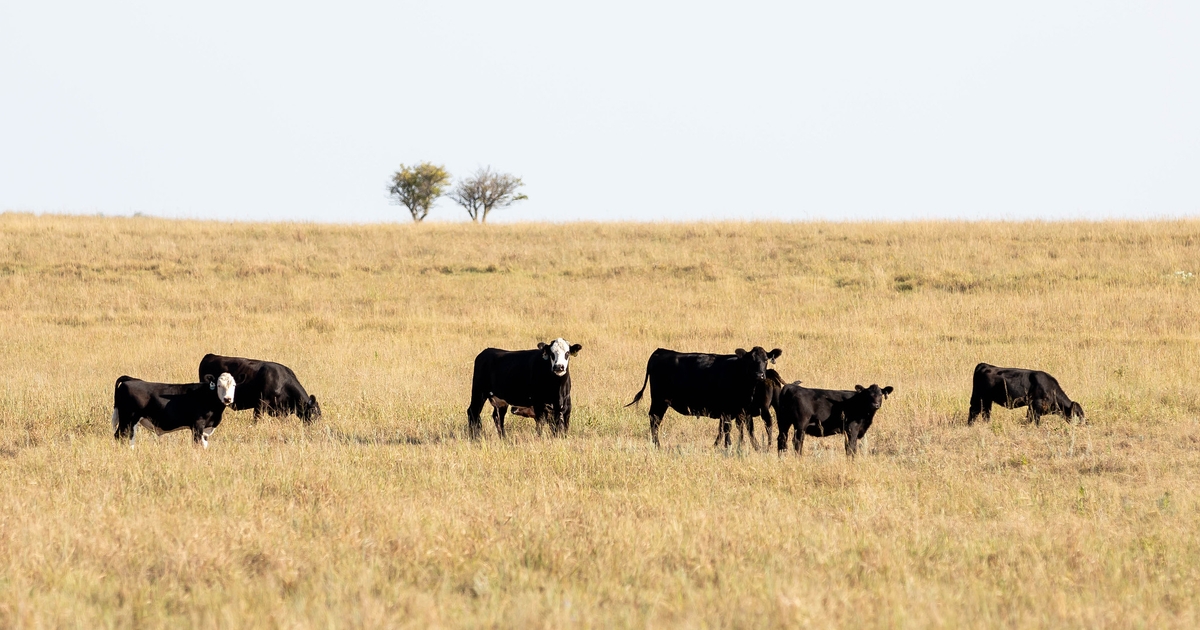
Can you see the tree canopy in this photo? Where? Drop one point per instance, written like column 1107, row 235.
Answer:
column 417, row 187
column 485, row 191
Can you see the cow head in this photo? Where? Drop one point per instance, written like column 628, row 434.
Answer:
column 310, row 410
column 756, row 360
column 873, row 395
column 1076, row 411
column 558, row 353
column 224, row 386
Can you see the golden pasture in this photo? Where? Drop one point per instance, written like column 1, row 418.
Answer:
column 381, row 514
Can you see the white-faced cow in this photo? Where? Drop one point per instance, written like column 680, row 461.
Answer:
column 1016, row 387
column 167, row 407
column 264, row 386
column 719, row 386
column 539, row 380
column 821, row 412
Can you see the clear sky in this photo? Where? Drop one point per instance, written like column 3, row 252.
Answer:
column 608, row 111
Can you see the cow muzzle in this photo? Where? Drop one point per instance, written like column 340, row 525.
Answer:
column 559, row 370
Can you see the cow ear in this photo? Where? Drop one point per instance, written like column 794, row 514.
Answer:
column 887, row 390
column 541, row 346
column 575, row 349
column 859, row 388
column 212, row 382
column 740, row 352
column 774, row 354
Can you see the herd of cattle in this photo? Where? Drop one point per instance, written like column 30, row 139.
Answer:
column 537, row 383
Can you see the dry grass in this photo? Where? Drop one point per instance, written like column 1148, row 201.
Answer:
column 382, row 515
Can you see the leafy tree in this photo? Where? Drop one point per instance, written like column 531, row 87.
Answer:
column 417, row 187
column 486, row 190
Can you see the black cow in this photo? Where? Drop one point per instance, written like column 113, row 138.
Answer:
column 539, row 380
column 766, row 396
column 1015, row 387
column 264, row 386
column 166, row 407
column 821, row 412
column 707, row 385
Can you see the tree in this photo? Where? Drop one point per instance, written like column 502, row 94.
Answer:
column 417, row 187
column 485, row 191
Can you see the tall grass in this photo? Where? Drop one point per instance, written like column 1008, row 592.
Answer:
column 382, row 514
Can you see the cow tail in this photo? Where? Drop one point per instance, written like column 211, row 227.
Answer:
column 643, row 389
column 116, row 417
column 117, row 385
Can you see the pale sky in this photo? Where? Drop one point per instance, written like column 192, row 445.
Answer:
column 609, row 111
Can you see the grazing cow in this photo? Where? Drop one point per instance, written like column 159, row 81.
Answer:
column 165, row 407
column 766, row 395
column 821, row 412
column 264, row 386
column 707, row 385
column 1015, row 387
column 537, row 380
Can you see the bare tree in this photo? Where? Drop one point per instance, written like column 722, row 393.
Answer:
column 417, row 187
column 486, row 190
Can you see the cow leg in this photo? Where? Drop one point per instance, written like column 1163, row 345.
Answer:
column 124, row 428
column 474, row 422
column 781, row 437
column 657, row 409
column 749, row 421
column 768, row 426
column 975, row 410
column 1032, row 416
column 852, row 439
column 539, row 416
column 556, row 421
column 200, row 434
column 498, row 413
column 566, row 423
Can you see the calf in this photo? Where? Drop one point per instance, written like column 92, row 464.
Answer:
column 165, row 407
column 538, row 380
column 264, row 386
column 707, row 385
column 821, row 412
column 1015, row 387
column 766, row 395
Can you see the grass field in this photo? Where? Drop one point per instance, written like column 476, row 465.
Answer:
column 381, row 514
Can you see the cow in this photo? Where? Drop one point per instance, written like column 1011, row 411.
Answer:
column 1016, row 387
column 166, row 407
column 264, row 386
column 766, row 396
column 821, row 412
column 706, row 385
column 539, row 380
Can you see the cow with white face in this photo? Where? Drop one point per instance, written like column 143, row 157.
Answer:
column 535, row 380
column 167, row 407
